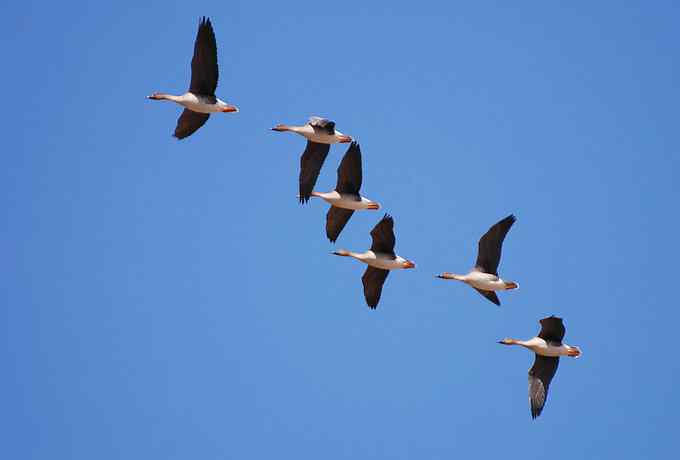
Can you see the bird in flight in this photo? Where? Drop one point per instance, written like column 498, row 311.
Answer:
column 484, row 276
column 380, row 260
column 200, row 101
column 345, row 199
column 548, row 347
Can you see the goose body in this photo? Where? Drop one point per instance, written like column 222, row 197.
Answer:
column 200, row 101
column 484, row 276
column 483, row 281
column 380, row 259
column 548, row 348
column 346, row 200
column 317, row 129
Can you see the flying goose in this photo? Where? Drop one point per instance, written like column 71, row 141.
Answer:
column 320, row 133
column 345, row 199
column 380, row 260
column 200, row 100
column 484, row 276
column 548, row 347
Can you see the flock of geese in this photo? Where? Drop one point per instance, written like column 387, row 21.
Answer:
column 200, row 101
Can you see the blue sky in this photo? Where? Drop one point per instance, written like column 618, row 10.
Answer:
column 171, row 300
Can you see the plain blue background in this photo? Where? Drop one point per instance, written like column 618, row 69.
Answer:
column 171, row 300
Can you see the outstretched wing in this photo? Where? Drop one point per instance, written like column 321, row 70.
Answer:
column 349, row 171
column 491, row 295
column 336, row 219
column 373, row 280
column 383, row 236
column 490, row 245
column 310, row 166
column 552, row 329
column 204, row 70
column 188, row 122
column 540, row 376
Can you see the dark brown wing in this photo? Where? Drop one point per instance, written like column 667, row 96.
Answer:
column 310, row 166
column 491, row 295
column 373, row 280
column 188, row 122
column 552, row 329
column 349, row 171
column 322, row 124
column 489, row 249
column 540, row 376
column 335, row 221
column 383, row 236
column 204, row 71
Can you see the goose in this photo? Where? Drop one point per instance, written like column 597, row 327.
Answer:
column 548, row 348
column 345, row 199
column 320, row 133
column 380, row 260
column 200, row 100
column 484, row 276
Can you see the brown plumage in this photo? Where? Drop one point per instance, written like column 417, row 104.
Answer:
column 204, row 69
column 204, row 76
column 544, row 368
column 189, row 122
column 336, row 219
column 311, row 161
column 373, row 280
column 540, row 376
column 491, row 244
column 349, row 183
column 383, row 236
column 383, row 241
column 491, row 295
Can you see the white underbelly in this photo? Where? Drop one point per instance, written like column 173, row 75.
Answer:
column 550, row 350
column 487, row 282
column 201, row 107
column 199, row 104
column 321, row 138
column 382, row 261
column 346, row 201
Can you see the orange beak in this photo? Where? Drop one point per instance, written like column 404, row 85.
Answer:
column 230, row 108
column 344, row 139
column 409, row 264
column 373, row 206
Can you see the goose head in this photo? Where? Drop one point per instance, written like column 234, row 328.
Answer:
column 157, row 96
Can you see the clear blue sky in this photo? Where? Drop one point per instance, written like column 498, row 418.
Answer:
column 171, row 300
